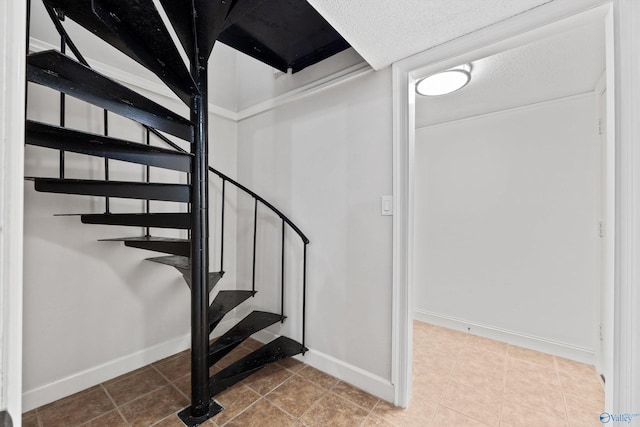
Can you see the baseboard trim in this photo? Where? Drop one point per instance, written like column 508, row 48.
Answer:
column 543, row 345
column 90, row 377
column 328, row 82
column 364, row 380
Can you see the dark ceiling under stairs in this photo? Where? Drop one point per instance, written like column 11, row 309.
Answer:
column 284, row 34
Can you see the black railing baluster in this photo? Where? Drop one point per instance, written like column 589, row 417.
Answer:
column 63, row 49
column 255, row 232
column 147, row 204
column 27, row 43
column 53, row 14
column 222, row 228
column 304, row 297
column 282, row 277
column 106, row 161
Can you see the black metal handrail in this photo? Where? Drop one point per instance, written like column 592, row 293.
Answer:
column 285, row 220
column 264, row 202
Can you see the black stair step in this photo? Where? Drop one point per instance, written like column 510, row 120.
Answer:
column 180, row 221
column 213, row 278
column 254, row 322
column 180, row 247
column 224, row 302
column 210, row 19
column 280, row 348
column 182, row 264
column 59, row 72
column 59, row 138
column 122, row 189
column 135, row 28
column 284, row 34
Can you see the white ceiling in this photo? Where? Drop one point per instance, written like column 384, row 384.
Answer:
column 384, row 31
column 567, row 63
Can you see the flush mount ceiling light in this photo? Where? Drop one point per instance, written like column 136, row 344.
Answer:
column 445, row 82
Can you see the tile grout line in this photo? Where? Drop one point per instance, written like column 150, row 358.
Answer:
column 114, row 403
column 564, row 398
column 504, row 384
column 326, row 392
column 104, row 413
column 368, row 411
column 282, row 409
column 168, row 381
column 263, row 396
column 38, row 418
column 243, row 411
column 466, row 346
column 269, row 391
column 382, row 418
column 165, row 418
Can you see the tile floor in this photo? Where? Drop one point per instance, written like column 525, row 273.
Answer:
column 459, row 380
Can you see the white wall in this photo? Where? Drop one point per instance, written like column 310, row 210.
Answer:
column 325, row 161
column 12, row 22
column 258, row 82
column 506, row 222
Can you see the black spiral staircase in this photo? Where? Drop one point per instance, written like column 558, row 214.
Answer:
column 286, row 34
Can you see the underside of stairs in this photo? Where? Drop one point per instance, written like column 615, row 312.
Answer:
column 288, row 35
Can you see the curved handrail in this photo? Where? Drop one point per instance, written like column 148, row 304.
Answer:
column 264, row 202
column 238, row 185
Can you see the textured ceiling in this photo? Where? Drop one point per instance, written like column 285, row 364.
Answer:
column 567, row 63
column 384, row 31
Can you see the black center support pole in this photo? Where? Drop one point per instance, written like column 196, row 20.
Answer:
column 202, row 407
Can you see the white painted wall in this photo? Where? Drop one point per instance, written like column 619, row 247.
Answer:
column 258, row 82
column 12, row 22
column 325, row 161
column 626, row 387
column 94, row 310
column 506, row 225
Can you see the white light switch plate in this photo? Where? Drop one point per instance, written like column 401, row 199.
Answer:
column 386, row 205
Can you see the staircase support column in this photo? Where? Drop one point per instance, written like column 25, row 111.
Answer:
column 202, row 408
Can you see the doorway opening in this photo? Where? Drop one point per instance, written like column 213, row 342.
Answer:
column 513, row 239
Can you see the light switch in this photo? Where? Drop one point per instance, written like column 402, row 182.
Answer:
column 386, row 205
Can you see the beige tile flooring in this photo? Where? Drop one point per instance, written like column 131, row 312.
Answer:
column 459, row 380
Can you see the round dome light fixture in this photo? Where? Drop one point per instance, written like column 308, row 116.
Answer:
column 445, row 82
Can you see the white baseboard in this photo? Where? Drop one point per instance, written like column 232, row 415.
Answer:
column 90, row 377
column 543, row 345
column 79, row 381
column 346, row 372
